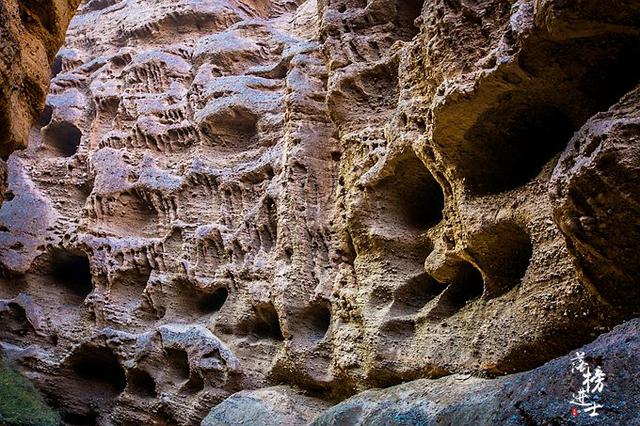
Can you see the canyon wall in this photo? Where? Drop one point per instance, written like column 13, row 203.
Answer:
column 332, row 195
column 32, row 32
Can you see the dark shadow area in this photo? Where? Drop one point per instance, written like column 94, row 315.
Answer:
column 140, row 383
column 413, row 295
column 467, row 286
column 71, row 270
column 411, row 196
column 212, row 302
column 100, row 366
column 63, row 137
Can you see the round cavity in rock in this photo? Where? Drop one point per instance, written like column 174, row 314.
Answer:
column 212, row 302
column 63, row 137
column 99, row 366
column 71, row 270
column 411, row 197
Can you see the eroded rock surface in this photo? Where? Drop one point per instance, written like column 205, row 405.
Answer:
column 278, row 405
column 336, row 195
column 31, row 34
column 537, row 397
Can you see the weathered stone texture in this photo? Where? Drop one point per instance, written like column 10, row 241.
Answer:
column 537, row 397
column 31, row 32
column 228, row 195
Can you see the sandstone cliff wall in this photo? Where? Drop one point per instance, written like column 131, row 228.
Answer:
column 333, row 195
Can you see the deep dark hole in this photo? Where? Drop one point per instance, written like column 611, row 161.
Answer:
column 56, row 66
column 140, row 383
column 516, row 149
column 415, row 294
column 511, row 143
column 213, row 302
column 195, row 384
column 413, row 196
column 267, row 323
column 506, row 259
column 467, row 286
column 45, row 116
column 318, row 320
column 71, row 270
column 99, row 365
column 179, row 362
column 9, row 195
column 408, row 11
column 63, row 137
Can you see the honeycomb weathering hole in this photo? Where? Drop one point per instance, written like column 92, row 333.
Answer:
column 212, row 302
column 510, row 143
column 178, row 361
column 63, row 137
column 316, row 320
column 264, row 323
column 467, row 286
column 413, row 295
column 503, row 252
column 408, row 11
column 71, row 270
column 99, row 366
column 515, row 149
column 412, row 197
column 140, row 383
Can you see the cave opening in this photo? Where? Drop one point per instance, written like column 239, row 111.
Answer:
column 140, row 383
column 503, row 252
column 266, row 324
column 515, row 150
column 467, row 286
column 411, row 196
column 71, row 270
column 316, row 320
column 510, row 143
column 100, row 366
column 178, row 361
column 209, row 303
column 64, row 138
column 408, row 11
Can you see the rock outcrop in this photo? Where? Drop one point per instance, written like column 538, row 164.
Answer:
column 32, row 32
column 538, row 397
column 229, row 195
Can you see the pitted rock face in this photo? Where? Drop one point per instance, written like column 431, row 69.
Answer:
column 336, row 195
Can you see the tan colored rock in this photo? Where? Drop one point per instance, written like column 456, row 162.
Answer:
column 337, row 195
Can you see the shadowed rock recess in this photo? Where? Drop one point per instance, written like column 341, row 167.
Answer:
column 247, row 211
